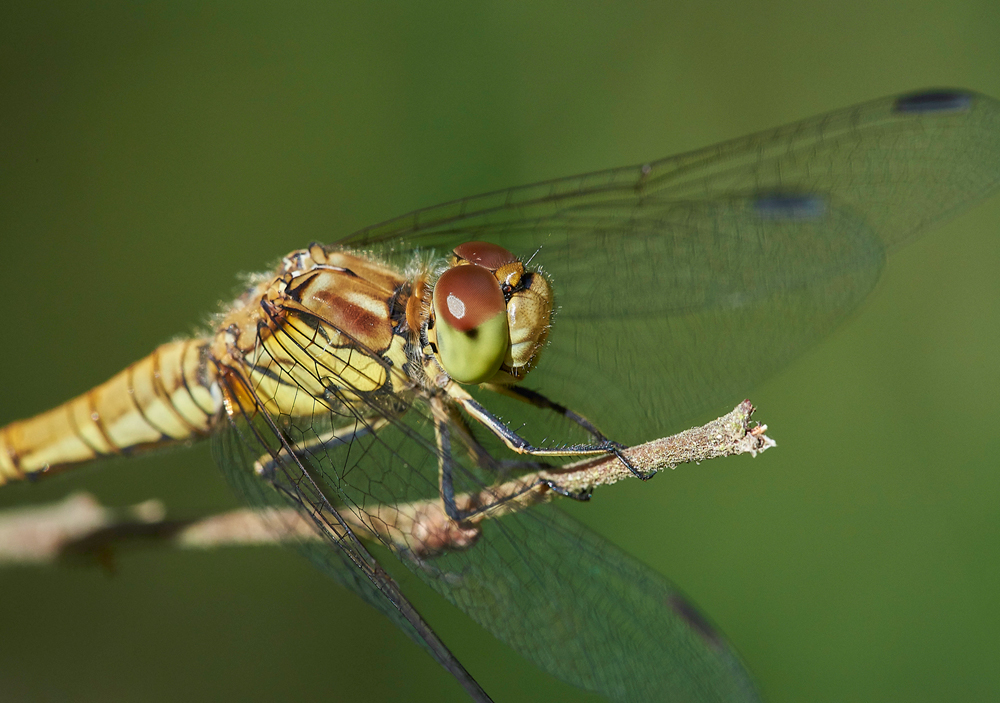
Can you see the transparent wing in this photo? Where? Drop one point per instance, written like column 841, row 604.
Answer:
column 256, row 454
column 679, row 281
column 563, row 597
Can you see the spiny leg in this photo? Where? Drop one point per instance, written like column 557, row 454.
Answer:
column 267, row 463
column 448, row 423
column 539, row 400
column 518, row 444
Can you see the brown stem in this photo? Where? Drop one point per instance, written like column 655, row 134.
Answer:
column 80, row 525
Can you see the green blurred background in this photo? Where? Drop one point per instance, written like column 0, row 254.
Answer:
column 151, row 152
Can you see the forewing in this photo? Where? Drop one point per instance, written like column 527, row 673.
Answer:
column 900, row 162
column 681, row 282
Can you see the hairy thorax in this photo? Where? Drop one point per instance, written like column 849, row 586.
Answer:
column 328, row 329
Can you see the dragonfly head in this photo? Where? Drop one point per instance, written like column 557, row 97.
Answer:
column 490, row 316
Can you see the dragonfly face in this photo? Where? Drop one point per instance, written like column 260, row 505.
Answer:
column 334, row 385
column 490, row 317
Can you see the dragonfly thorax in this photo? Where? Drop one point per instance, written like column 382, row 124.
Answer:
column 489, row 317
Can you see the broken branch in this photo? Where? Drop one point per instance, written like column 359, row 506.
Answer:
column 80, row 525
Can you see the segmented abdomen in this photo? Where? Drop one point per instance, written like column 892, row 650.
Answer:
column 169, row 396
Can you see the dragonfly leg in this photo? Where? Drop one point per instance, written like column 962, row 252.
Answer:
column 583, row 495
column 539, row 400
column 446, row 473
column 450, row 423
column 266, row 465
column 518, row 444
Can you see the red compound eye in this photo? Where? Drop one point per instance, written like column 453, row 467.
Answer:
column 467, row 296
column 485, row 254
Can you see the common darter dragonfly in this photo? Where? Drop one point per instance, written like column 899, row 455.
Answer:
column 416, row 384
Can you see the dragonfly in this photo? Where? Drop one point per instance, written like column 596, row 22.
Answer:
column 404, row 389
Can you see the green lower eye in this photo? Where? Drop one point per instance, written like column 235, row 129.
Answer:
column 472, row 329
column 473, row 356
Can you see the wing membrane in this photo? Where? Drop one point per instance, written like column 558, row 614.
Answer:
column 253, row 439
column 899, row 169
column 680, row 282
column 566, row 599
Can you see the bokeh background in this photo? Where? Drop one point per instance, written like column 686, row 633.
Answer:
column 152, row 151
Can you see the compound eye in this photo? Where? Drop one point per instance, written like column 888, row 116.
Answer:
column 485, row 254
column 471, row 314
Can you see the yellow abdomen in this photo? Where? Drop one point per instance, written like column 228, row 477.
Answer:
column 169, row 396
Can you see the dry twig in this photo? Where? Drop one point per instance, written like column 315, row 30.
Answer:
column 80, row 525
